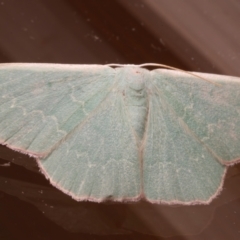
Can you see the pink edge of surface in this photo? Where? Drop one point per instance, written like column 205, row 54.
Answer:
column 129, row 200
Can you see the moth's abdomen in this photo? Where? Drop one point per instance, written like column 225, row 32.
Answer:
column 136, row 101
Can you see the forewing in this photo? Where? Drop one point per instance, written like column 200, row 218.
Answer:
column 193, row 128
column 100, row 159
column 42, row 103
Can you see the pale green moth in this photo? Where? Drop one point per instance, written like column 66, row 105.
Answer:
column 123, row 133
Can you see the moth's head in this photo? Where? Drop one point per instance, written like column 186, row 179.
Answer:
column 133, row 75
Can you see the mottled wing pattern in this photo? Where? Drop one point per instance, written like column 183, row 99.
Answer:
column 73, row 120
column 193, row 130
column 41, row 103
column 100, row 159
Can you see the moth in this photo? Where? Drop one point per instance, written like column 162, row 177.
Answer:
column 122, row 132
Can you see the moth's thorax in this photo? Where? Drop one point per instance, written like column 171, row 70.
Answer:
column 135, row 98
